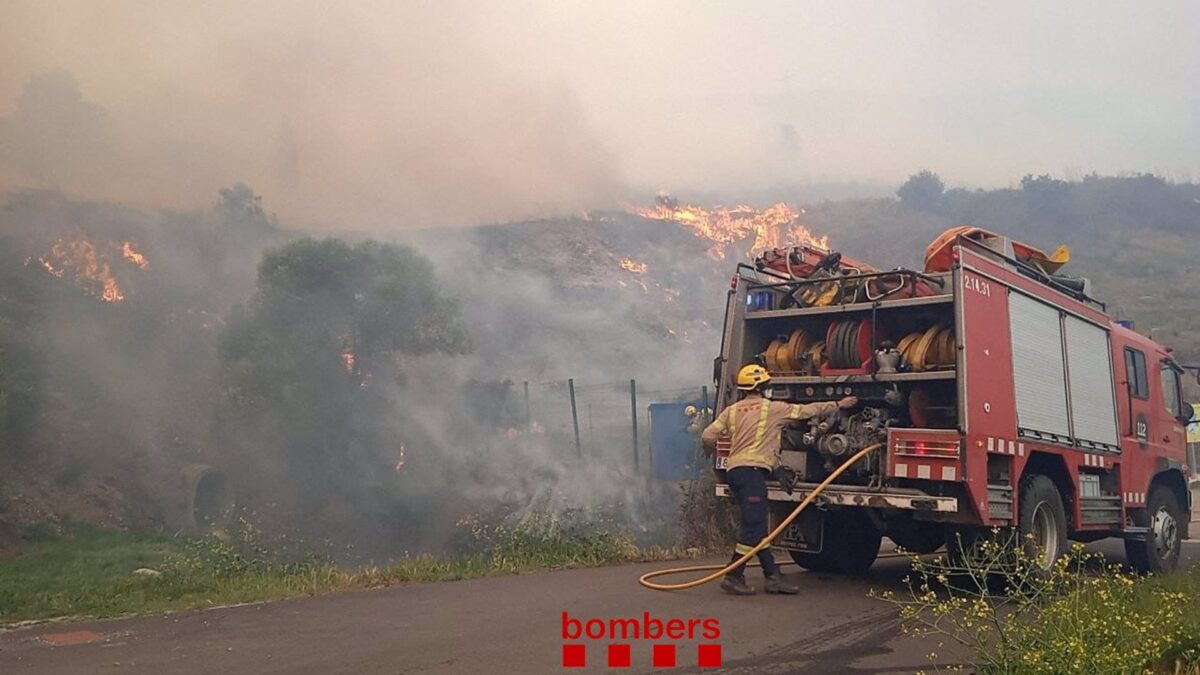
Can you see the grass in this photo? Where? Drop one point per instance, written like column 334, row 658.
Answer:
column 88, row 572
column 84, row 569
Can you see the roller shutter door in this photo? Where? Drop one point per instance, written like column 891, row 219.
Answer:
column 1039, row 371
column 1089, row 362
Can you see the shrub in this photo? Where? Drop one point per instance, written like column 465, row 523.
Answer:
column 541, row 540
column 1084, row 615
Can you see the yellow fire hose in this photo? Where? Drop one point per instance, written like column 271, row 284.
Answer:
column 722, row 570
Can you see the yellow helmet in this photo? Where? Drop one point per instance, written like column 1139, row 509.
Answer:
column 751, row 376
column 690, row 411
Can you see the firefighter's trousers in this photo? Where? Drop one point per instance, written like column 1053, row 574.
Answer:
column 749, row 487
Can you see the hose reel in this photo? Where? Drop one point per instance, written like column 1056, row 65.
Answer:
column 931, row 349
column 849, row 343
column 795, row 354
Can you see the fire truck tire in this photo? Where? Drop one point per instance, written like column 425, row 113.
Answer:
column 1158, row 553
column 850, row 545
column 1042, row 515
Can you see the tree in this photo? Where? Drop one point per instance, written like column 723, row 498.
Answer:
column 308, row 360
column 54, row 133
column 239, row 205
column 922, row 191
column 1046, row 199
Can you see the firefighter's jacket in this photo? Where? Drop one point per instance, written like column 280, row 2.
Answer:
column 754, row 426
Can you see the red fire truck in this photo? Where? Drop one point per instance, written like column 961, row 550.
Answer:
column 1003, row 394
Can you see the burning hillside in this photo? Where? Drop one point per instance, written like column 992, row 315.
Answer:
column 600, row 300
column 776, row 226
column 657, row 271
column 91, row 266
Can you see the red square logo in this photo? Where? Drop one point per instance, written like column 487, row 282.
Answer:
column 618, row 656
column 708, row 656
column 664, row 656
column 574, row 656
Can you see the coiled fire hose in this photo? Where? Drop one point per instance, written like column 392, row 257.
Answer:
column 722, row 570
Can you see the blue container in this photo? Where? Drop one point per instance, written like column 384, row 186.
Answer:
column 674, row 442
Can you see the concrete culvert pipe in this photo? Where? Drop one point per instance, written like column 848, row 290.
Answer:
column 210, row 498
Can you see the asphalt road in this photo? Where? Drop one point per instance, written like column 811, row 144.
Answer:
column 500, row 625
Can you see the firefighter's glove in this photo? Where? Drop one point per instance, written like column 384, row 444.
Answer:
column 787, row 478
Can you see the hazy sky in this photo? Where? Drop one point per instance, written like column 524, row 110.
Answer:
column 366, row 115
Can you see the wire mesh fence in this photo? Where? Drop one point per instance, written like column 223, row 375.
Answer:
column 608, row 421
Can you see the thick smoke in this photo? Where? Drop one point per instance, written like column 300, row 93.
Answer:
column 382, row 115
column 360, row 117
column 137, row 390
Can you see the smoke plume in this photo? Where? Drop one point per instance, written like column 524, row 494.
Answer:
column 366, row 117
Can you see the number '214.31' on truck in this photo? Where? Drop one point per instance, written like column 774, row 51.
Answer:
column 1003, row 394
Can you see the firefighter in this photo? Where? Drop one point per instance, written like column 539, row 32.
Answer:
column 754, row 425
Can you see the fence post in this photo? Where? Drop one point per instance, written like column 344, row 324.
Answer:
column 633, row 415
column 574, row 416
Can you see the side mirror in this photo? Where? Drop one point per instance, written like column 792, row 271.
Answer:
column 1186, row 420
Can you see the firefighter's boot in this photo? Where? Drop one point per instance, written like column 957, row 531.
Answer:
column 776, row 584
column 736, row 585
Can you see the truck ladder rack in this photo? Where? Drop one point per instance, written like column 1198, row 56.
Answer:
column 829, row 310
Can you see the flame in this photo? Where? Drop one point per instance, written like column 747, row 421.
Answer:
column 89, row 267
column 132, row 255
column 777, row 226
column 632, row 265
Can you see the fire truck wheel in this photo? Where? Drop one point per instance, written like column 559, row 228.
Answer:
column 850, row 544
column 1158, row 553
column 1042, row 515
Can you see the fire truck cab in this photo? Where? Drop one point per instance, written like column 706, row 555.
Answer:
column 1003, row 394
